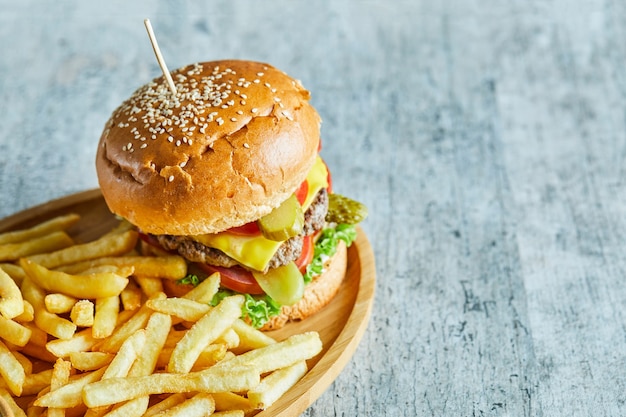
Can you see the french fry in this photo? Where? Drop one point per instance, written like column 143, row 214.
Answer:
column 51, row 242
column 34, row 383
column 182, row 308
column 14, row 271
column 82, row 313
column 132, row 408
column 205, row 290
column 34, row 351
column 204, row 331
column 279, row 355
column 149, row 286
column 108, row 245
column 131, row 296
column 90, row 361
column 227, row 401
column 14, row 332
column 37, row 336
column 249, row 337
column 164, row 404
column 11, row 370
column 11, row 301
column 199, row 405
column 53, row 225
column 157, row 328
column 165, row 267
column 273, row 386
column 126, row 356
column 60, row 376
column 209, row 356
column 71, row 394
column 105, row 318
column 81, row 341
column 79, row 286
column 229, row 338
column 8, row 407
column 138, row 321
column 27, row 315
column 49, row 322
column 27, row 365
column 229, row 413
column 58, row 303
column 115, row 390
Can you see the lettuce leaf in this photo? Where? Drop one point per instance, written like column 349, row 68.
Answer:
column 326, row 247
column 256, row 309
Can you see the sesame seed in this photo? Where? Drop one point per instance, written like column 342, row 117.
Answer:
column 171, row 178
column 204, row 94
column 245, row 145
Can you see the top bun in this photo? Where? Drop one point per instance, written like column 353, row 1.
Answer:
column 236, row 141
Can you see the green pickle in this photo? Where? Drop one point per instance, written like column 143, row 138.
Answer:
column 284, row 222
column 284, row 284
column 344, row 210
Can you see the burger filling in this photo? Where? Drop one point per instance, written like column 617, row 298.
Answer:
column 194, row 250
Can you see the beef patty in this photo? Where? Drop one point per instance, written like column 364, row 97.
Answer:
column 290, row 250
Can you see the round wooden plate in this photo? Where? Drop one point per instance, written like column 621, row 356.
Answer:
column 341, row 324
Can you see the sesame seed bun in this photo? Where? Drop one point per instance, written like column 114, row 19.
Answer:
column 237, row 140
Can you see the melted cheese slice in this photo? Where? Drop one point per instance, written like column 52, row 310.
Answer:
column 255, row 252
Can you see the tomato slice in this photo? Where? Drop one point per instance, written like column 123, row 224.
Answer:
column 248, row 229
column 157, row 248
column 307, row 254
column 302, row 192
column 234, row 278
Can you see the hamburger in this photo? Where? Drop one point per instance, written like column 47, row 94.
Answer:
column 227, row 173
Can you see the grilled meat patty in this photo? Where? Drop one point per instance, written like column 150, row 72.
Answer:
column 290, row 250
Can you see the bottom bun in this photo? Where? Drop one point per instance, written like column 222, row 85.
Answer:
column 317, row 294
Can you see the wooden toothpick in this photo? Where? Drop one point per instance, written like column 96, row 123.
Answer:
column 159, row 57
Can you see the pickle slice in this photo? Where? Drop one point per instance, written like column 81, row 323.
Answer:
column 344, row 210
column 284, row 222
column 284, row 284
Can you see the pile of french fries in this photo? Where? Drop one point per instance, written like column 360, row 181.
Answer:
column 87, row 329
